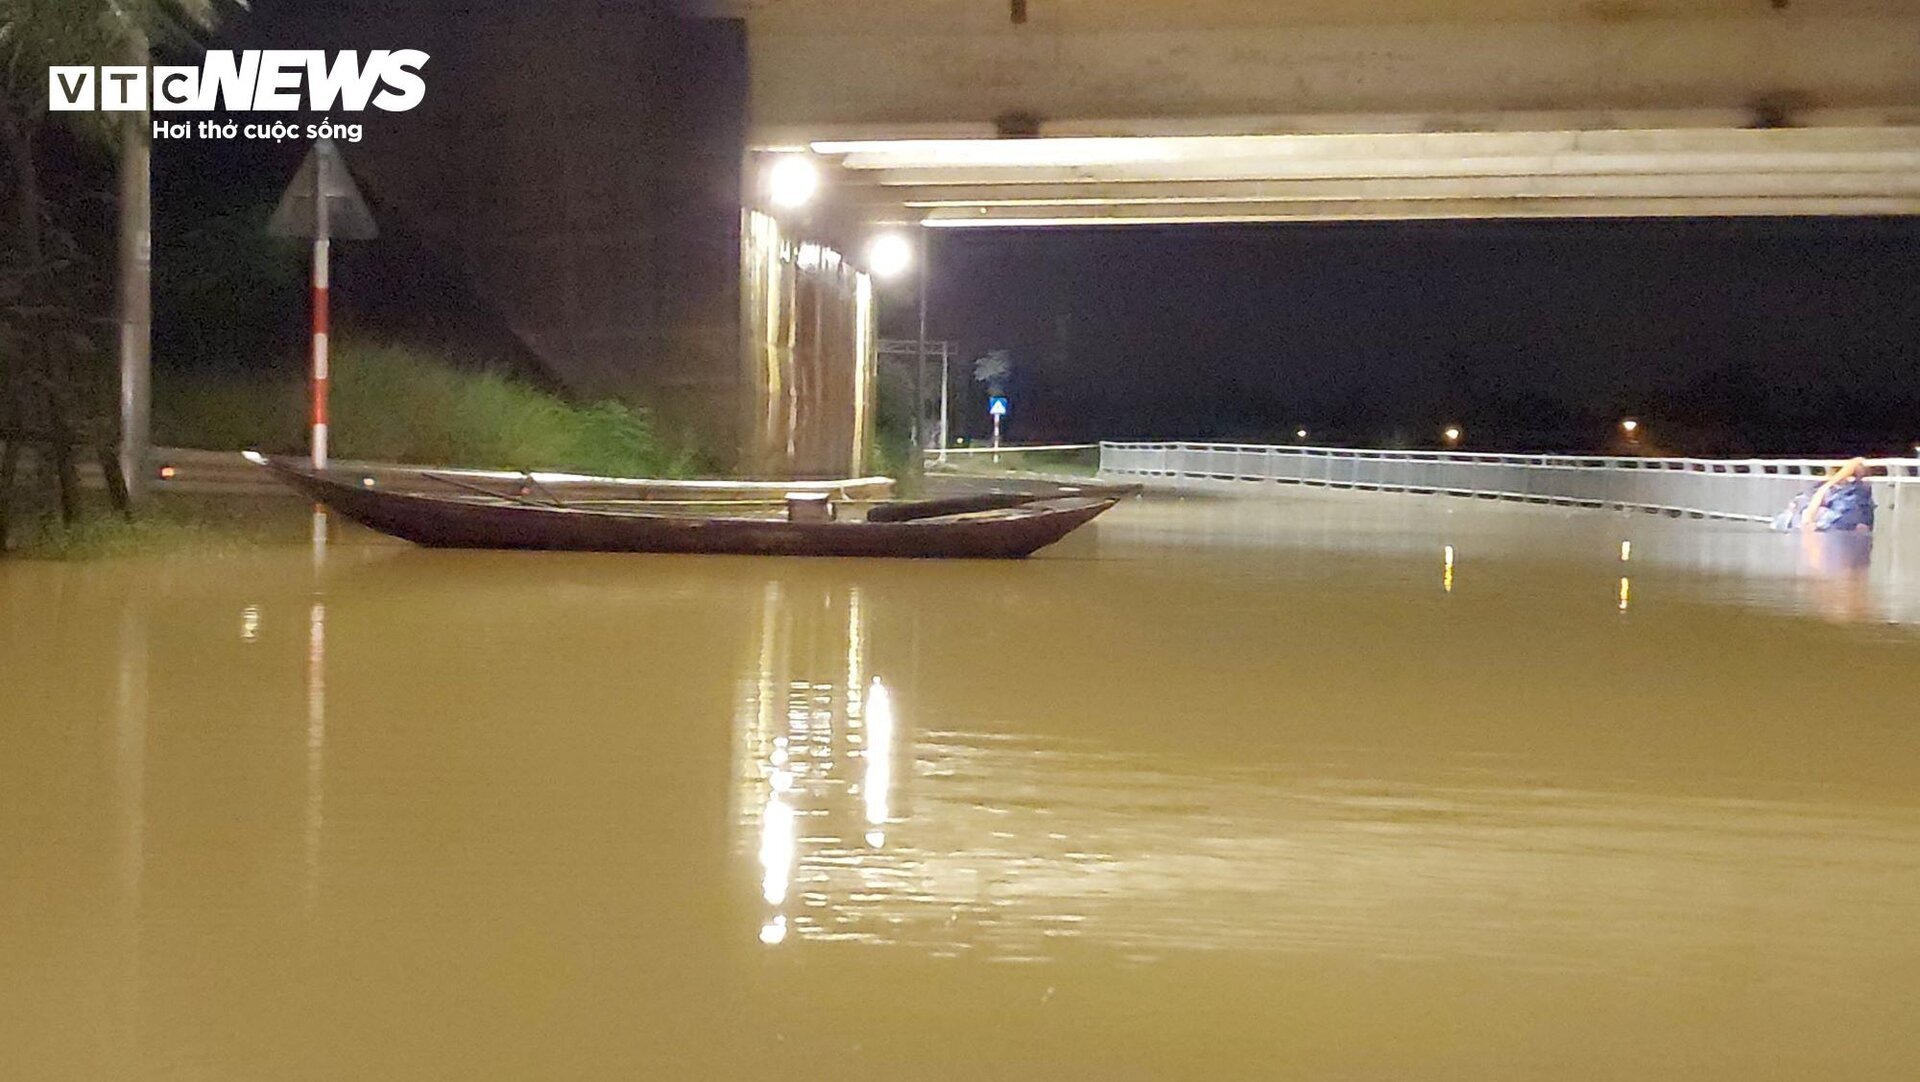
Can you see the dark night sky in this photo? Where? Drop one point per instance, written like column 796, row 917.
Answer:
column 1760, row 333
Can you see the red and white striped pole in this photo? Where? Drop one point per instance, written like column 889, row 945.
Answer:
column 321, row 247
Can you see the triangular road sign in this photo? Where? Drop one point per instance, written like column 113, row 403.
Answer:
column 347, row 215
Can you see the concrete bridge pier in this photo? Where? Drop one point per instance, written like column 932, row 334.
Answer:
column 581, row 167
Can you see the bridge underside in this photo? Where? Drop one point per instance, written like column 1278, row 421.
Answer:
column 1540, row 173
column 953, row 113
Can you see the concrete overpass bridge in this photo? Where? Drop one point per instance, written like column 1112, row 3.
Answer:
column 962, row 113
column 597, row 208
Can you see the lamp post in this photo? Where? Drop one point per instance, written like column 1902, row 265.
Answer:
column 889, row 255
column 920, row 361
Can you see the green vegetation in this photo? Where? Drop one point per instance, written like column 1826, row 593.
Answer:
column 394, row 403
column 205, row 524
column 891, row 453
column 1076, row 463
column 1085, row 463
column 55, row 249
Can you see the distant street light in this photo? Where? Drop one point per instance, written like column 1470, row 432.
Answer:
column 889, row 255
column 1631, row 427
column 792, row 181
column 1452, row 434
column 1299, row 433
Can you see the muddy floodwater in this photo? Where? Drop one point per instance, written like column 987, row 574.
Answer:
column 1334, row 787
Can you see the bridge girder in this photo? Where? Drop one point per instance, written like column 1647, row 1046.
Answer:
column 1237, row 110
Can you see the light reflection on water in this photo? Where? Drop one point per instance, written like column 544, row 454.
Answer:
column 1844, row 578
column 1016, row 844
column 316, row 741
column 427, row 813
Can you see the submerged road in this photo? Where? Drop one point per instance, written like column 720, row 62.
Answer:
column 1336, row 786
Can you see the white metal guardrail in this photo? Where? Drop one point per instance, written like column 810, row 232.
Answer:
column 1751, row 490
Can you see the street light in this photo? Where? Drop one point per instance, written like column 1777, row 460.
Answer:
column 1452, row 434
column 1299, row 433
column 1631, row 427
column 792, row 180
column 889, row 255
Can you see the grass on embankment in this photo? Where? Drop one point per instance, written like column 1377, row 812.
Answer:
column 389, row 404
column 1015, row 462
column 169, row 522
column 393, row 403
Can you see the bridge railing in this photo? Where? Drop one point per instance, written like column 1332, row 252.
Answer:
column 1751, row 489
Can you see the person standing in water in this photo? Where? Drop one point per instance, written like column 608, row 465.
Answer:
column 1843, row 501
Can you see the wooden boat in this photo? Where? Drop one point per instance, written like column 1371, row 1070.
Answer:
column 477, row 518
column 912, row 510
column 907, row 510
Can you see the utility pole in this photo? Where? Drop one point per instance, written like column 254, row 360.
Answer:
column 910, row 351
column 134, row 256
column 920, row 358
column 946, row 437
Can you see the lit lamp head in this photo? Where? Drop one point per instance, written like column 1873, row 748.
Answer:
column 1452, row 433
column 1631, row 427
column 889, row 255
column 1299, row 433
column 792, row 181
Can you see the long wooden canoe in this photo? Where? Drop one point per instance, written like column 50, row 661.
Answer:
column 512, row 521
column 994, row 499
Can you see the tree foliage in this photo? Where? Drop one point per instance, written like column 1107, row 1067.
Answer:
column 53, row 285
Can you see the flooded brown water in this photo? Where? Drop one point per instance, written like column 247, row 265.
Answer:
column 1340, row 787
